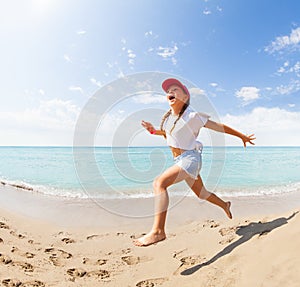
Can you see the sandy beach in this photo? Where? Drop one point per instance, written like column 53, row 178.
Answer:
column 47, row 241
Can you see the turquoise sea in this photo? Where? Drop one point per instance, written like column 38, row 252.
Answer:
column 105, row 172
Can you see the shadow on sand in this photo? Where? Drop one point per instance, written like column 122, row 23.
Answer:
column 246, row 232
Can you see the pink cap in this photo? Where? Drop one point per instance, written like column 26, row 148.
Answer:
column 169, row 82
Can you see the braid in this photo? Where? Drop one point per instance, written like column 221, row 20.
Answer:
column 180, row 114
column 165, row 116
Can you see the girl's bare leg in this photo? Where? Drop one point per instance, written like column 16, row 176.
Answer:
column 172, row 175
column 201, row 192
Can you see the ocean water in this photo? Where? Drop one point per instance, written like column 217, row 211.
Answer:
column 105, row 172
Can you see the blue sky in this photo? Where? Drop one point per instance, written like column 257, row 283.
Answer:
column 55, row 54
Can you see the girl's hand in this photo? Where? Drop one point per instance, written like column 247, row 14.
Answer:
column 148, row 126
column 248, row 139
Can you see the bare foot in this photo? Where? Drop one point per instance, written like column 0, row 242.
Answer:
column 227, row 209
column 150, row 238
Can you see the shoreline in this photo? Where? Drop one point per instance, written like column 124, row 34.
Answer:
column 47, row 241
column 111, row 213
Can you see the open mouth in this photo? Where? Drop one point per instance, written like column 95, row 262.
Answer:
column 171, row 98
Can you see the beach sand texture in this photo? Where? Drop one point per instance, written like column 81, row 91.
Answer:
column 256, row 250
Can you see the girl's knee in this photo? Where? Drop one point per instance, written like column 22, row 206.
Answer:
column 158, row 185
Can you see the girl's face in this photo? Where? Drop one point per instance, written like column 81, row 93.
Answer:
column 176, row 96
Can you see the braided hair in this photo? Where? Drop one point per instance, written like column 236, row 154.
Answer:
column 168, row 113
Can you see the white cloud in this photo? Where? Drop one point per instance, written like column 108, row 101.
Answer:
column 284, row 42
column 81, row 32
column 131, row 57
column 95, row 82
column 67, row 58
column 295, row 69
column 196, row 91
column 150, row 34
column 206, row 12
column 174, row 61
column 281, row 70
column 110, row 65
column 213, row 85
column 120, row 74
column 131, row 54
column 271, row 126
column 52, row 122
column 54, row 114
column 248, row 94
column 76, row 89
column 292, row 87
column 288, row 68
column 167, row 52
column 131, row 62
column 284, row 90
column 149, row 99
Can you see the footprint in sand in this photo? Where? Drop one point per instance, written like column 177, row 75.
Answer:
column 228, row 231
column 227, row 240
column 176, row 253
column 25, row 266
column 102, row 274
column 35, row 283
column 211, row 224
column 96, row 236
column 151, row 282
column 119, row 252
column 23, row 254
column 94, row 262
column 126, row 251
column 3, row 225
column 4, row 259
column 30, row 241
column 1, row 240
column 20, row 236
column 68, row 240
column 76, row 273
column 11, row 283
column 17, row 283
column 79, row 273
column 57, row 255
column 134, row 260
column 189, row 261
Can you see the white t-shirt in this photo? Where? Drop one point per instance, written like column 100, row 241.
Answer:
column 186, row 130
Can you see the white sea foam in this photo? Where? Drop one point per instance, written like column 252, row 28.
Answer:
column 148, row 193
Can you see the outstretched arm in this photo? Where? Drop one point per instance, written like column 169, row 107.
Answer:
column 228, row 130
column 150, row 128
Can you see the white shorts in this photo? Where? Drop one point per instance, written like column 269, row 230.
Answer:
column 190, row 161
